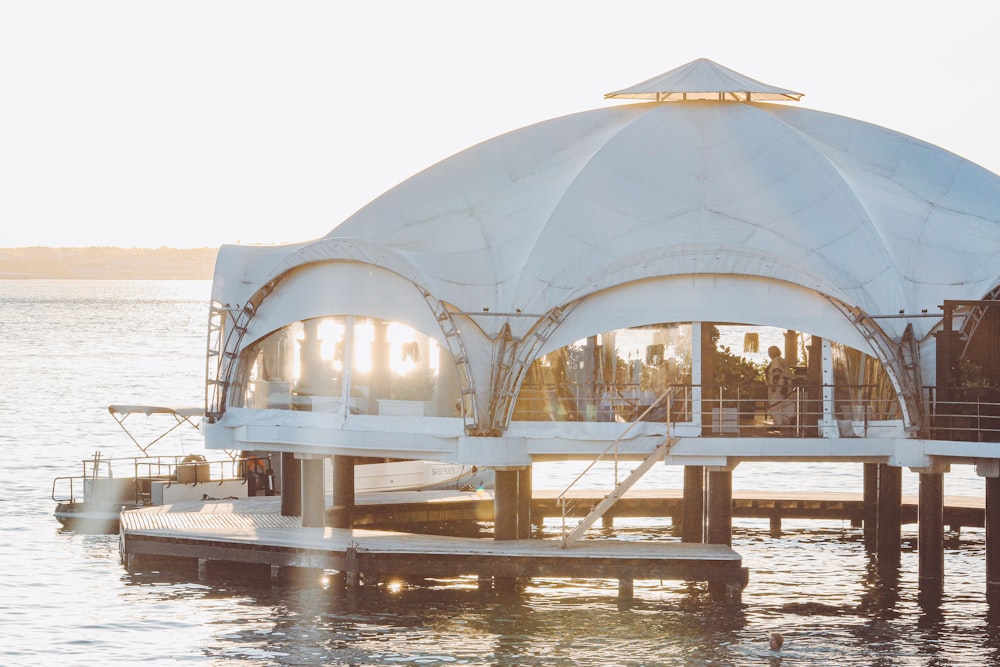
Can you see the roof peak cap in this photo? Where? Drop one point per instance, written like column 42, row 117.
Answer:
column 704, row 79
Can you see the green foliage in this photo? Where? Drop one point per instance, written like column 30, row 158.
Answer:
column 732, row 370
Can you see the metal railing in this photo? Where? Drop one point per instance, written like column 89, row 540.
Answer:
column 745, row 410
column 621, row 403
column 130, row 479
column 964, row 414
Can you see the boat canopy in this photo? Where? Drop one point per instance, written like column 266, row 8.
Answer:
column 189, row 416
column 125, row 410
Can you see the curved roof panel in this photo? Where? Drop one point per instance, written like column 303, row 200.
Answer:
column 551, row 212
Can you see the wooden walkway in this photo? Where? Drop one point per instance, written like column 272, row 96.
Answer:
column 253, row 532
column 249, row 533
column 958, row 510
column 396, row 509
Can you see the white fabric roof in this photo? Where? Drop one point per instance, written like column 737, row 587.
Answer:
column 552, row 212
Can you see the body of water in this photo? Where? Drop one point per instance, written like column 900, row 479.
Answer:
column 71, row 348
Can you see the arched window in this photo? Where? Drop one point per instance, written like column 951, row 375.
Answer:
column 610, row 376
column 362, row 364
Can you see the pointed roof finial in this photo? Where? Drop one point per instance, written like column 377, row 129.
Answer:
column 704, row 79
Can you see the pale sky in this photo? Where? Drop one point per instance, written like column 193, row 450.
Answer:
column 201, row 123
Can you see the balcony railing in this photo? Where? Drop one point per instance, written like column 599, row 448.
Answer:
column 967, row 414
column 748, row 410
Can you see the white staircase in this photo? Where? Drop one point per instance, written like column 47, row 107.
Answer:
column 622, row 487
column 619, row 491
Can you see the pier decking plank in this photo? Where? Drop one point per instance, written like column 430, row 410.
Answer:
column 387, row 509
column 242, row 532
column 253, row 531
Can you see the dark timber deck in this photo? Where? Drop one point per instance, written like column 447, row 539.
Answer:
column 394, row 509
column 238, row 534
column 252, row 532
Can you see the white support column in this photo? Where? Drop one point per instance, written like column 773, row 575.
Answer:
column 313, row 493
column 828, row 426
column 696, row 372
column 348, row 363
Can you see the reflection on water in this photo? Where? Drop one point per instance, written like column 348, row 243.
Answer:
column 830, row 600
column 72, row 348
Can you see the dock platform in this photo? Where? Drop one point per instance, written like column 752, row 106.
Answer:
column 386, row 510
column 252, row 532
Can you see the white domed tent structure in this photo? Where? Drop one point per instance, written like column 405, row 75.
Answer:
column 517, row 302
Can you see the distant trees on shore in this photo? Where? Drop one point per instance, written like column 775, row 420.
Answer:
column 108, row 263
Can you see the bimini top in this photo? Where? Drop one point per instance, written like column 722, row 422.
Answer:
column 552, row 212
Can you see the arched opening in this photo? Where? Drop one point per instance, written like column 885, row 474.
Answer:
column 611, row 376
column 350, row 365
column 720, row 380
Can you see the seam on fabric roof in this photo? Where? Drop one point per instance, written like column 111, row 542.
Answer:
column 604, row 277
column 907, row 273
column 357, row 250
column 842, row 184
column 835, row 178
column 571, row 183
column 643, row 109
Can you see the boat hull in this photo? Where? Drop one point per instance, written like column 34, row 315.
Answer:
column 91, row 518
column 420, row 476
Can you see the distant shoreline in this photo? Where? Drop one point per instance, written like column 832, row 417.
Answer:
column 107, row 263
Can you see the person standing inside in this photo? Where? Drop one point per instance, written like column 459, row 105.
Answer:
column 780, row 403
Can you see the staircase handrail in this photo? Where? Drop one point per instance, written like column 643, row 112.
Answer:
column 617, row 440
column 561, row 498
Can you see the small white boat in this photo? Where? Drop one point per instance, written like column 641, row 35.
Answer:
column 420, row 476
column 92, row 501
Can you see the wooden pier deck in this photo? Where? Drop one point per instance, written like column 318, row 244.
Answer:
column 251, row 536
column 252, row 532
column 391, row 509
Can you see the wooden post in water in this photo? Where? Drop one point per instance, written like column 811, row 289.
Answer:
column 693, row 522
column 720, row 507
column 505, row 511
column 313, row 494
column 930, row 536
column 524, row 503
column 291, row 485
column 870, row 506
column 505, row 504
column 993, row 541
column 626, row 589
column 720, row 520
column 890, row 501
column 343, row 492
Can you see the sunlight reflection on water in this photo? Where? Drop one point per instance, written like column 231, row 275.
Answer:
column 71, row 348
